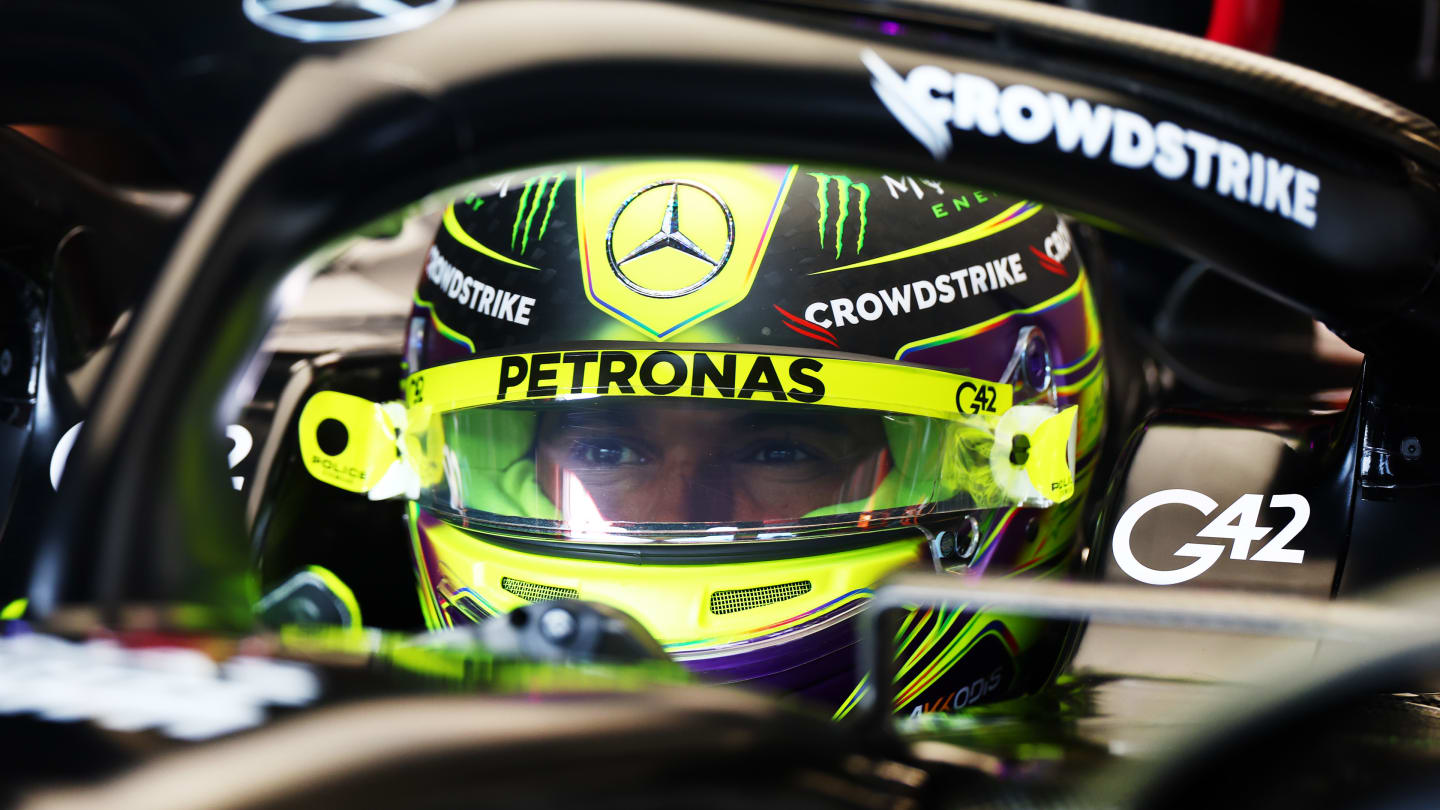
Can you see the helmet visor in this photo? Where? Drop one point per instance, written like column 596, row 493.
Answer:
column 611, row 465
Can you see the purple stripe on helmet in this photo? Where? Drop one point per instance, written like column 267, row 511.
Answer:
column 987, row 353
column 820, row 666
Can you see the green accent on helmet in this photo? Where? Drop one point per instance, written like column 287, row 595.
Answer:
column 864, row 198
column 1076, row 288
column 844, row 192
column 14, row 610
column 822, row 181
column 434, row 617
column 529, row 218
column 1087, row 357
column 843, row 185
column 526, row 214
column 519, row 213
column 452, row 227
column 940, row 641
column 550, row 206
column 440, row 325
column 1009, row 218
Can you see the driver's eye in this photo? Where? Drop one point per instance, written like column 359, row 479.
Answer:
column 778, row 453
column 604, row 453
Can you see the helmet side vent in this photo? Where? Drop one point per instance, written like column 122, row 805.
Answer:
column 535, row 592
column 734, row 601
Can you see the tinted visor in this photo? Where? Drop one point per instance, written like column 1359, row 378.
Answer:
column 603, row 464
column 699, row 462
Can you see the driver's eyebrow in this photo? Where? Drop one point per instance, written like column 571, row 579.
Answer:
column 827, row 423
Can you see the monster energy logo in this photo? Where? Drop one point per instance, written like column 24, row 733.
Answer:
column 843, row 186
column 529, row 204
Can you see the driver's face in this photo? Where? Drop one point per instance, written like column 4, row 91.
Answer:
column 693, row 463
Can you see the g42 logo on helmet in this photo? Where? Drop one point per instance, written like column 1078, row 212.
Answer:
column 1238, row 524
column 972, row 398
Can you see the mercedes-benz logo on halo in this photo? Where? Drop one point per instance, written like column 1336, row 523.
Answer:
column 670, row 236
column 340, row 20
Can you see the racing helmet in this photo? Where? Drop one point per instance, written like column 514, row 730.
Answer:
column 729, row 398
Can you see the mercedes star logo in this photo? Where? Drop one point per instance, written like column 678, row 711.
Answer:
column 340, row 20
column 669, row 236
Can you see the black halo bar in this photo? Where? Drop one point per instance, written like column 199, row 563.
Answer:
column 347, row 138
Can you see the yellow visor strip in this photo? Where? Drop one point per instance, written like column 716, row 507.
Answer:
column 674, row 373
column 362, row 449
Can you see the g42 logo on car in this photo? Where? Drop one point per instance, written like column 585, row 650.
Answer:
column 1239, row 524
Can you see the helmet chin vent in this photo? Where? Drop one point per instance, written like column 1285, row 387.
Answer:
column 535, row 592
column 734, row 601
